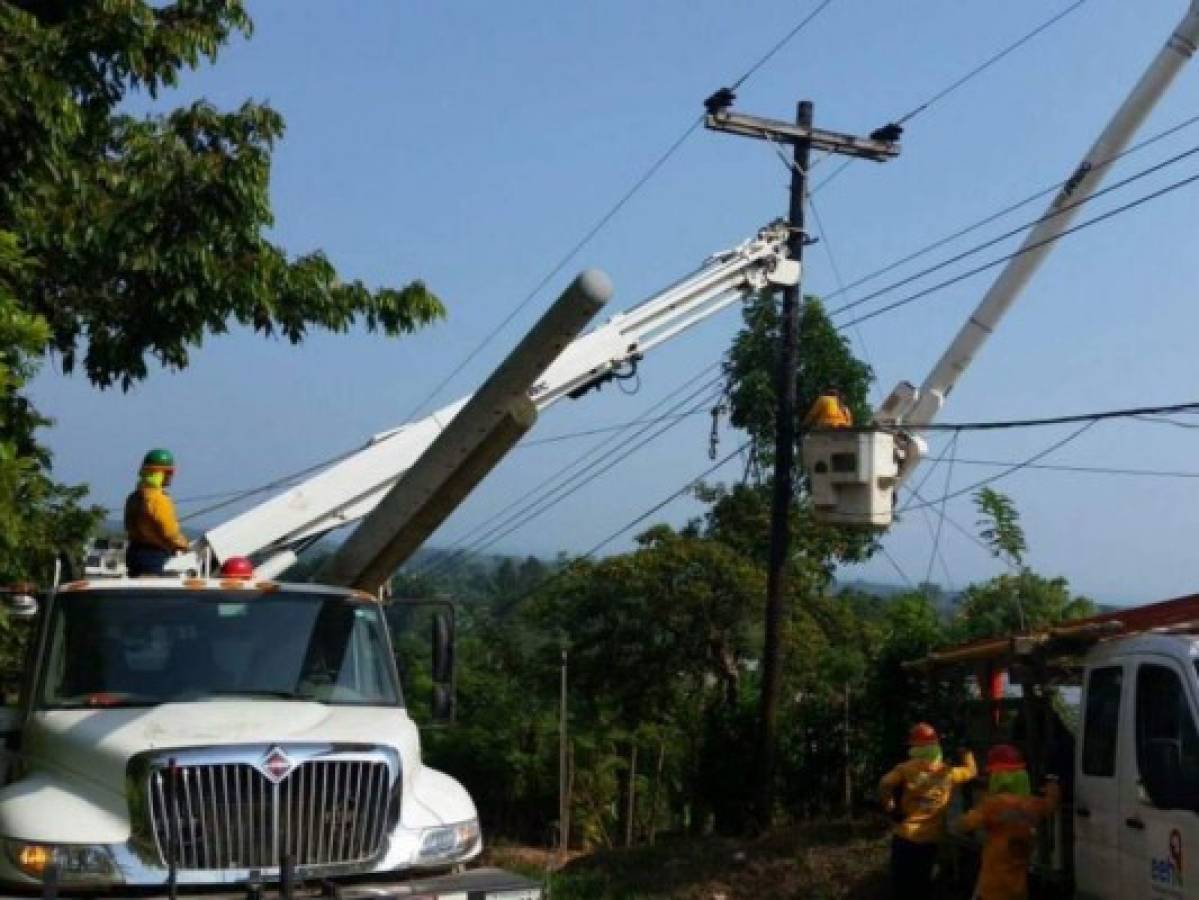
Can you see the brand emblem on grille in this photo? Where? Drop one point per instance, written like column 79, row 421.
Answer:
column 276, row 765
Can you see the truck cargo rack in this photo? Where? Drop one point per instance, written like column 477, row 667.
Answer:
column 1177, row 616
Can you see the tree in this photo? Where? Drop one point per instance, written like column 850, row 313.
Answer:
column 125, row 240
column 1020, row 600
column 1000, row 526
column 825, row 360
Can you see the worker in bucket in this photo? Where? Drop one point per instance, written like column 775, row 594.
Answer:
column 917, row 792
column 1008, row 816
column 150, row 520
column 829, row 411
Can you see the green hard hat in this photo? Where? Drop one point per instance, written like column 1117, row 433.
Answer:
column 158, row 458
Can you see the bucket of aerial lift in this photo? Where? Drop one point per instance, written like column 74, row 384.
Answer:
column 852, row 475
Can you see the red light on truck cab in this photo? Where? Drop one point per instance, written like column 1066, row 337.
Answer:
column 237, row 567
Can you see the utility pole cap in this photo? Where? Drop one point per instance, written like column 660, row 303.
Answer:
column 594, row 284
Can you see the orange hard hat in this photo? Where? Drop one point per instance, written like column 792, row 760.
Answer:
column 237, row 567
column 922, row 735
column 1004, row 758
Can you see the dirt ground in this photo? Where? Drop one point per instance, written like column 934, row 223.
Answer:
column 822, row 862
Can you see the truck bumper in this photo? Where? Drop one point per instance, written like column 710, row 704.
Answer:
column 474, row 884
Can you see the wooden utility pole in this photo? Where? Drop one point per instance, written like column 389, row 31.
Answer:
column 563, row 774
column 803, row 138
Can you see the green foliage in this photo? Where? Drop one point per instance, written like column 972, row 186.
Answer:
column 1016, row 602
column 126, row 240
column 825, row 360
column 1000, row 526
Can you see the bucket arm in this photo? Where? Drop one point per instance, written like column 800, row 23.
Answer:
column 854, row 475
column 347, row 491
column 911, row 408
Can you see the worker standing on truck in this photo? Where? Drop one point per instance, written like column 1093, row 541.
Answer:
column 1009, row 815
column 150, row 520
column 925, row 785
column 829, row 411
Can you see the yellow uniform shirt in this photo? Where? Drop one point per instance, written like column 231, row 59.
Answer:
column 927, row 790
column 828, row 412
column 1010, row 823
column 150, row 519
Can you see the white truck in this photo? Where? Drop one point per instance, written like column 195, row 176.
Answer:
column 214, row 728
column 1129, row 825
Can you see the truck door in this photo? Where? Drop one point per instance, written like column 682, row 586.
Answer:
column 1159, row 783
column 1097, row 789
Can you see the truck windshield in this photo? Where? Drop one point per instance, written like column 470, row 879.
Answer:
column 142, row 648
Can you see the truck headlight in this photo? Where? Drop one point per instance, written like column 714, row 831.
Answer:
column 446, row 843
column 76, row 863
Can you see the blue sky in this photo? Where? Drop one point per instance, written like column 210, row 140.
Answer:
column 472, row 143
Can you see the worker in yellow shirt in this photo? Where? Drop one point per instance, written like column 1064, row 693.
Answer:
column 150, row 520
column 829, row 411
column 1008, row 816
column 925, row 785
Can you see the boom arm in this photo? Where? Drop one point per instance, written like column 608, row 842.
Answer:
column 350, row 489
column 912, row 408
column 854, row 474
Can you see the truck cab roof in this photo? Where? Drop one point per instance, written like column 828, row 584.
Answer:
column 1175, row 646
column 248, row 585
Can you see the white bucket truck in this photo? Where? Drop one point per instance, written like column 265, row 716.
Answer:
column 216, row 729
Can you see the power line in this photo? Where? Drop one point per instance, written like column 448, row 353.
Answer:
column 562, row 263
column 995, row 216
column 1082, row 470
column 233, row 497
column 632, row 523
column 964, row 79
column 896, row 566
column 230, row 498
column 667, row 500
column 970, row 273
column 608, row 216
column 960, row 529
column 569, row 487
column 1136, row 412
column 605, row 429
column 977, row 248
column 986, row 64
column 1010, row 470
column 953, row 445
column 781, row 43
column 555, row 481
column 236, row 497
column 1157, row 420
column 822, row 231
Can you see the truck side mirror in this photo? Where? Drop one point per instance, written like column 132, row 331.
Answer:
column 20, row 602
column 443, row 666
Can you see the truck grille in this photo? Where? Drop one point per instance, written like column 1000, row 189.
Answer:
column 232, row 816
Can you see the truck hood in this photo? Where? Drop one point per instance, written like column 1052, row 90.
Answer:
column 96, row 745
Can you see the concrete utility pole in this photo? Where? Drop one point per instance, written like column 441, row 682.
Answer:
column 803, row 138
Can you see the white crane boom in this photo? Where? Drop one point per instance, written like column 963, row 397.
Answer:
column 921, row 406
column 348, row 490
column 854, row 475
